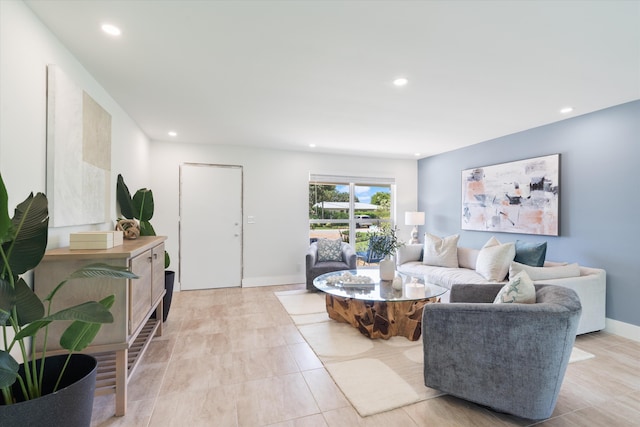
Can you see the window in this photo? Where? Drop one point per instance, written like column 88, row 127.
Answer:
column 349, row 207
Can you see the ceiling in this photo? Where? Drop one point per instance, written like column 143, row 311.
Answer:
column 287, row 74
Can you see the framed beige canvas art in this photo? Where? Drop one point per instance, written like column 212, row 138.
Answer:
column 78, row 154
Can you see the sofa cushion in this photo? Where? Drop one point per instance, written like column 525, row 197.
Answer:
column 441, row 252
column 410, row 252
column 329, row 250
column 494, row 260
column 519, row 290
column 532, row 254
column 545, row 273
column 467, row 257
column 448, row 277
column 442, row 276
column 555, row 263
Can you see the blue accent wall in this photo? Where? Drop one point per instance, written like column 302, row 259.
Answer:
column 599, row 195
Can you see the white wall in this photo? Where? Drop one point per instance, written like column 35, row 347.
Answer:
column 275, row 193
column 26, row 47
column 274, row 247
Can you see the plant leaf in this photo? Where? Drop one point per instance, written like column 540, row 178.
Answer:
column 123, row 196
column 146, row 229
column 8, row 369
column 102, row 270
column 143, row 204
column 4, row 316
column 7, row 300
column 90, row 311
column 31, row 225
column 28, row 305
column 167, row 260
column 96, row 270
column 31, row 329
column 80, row 334
column 5, row 219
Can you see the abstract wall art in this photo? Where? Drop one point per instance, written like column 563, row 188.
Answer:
column 78, row 154
column 515, row 197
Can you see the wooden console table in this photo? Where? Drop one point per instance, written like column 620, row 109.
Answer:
column 120, row 345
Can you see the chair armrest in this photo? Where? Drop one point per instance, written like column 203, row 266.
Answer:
column 312, row 256
column 474, row 317
column 474, row 293
column 349, row 256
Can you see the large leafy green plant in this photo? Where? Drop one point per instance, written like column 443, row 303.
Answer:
column 139, row 207
column 23, row 241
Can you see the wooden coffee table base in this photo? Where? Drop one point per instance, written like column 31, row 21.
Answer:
column 379, row 319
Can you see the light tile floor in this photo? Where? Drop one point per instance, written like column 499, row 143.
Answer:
column 232, row 357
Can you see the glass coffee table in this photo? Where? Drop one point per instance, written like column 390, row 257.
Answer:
column 378, row 308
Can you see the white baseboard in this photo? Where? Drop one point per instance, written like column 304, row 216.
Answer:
column 252, row 282
column 626, row 330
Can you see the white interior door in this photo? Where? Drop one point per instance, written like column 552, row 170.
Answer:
column 210, row 226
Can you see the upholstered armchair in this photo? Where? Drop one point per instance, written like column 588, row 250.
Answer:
column 315, row 267
column 509, row 357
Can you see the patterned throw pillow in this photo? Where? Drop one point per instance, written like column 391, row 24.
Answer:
column 329, row 250
column 519, row 290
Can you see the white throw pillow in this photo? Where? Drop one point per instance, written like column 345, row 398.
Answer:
column 545, row 273
column 408, row 253
column 467, row 257
column 519, row 290
column 494, row 260
column 441, row 252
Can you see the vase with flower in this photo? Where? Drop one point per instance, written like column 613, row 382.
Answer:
column 385, row 242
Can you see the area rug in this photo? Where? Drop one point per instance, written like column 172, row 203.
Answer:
column 374, row 375
column 578, row 355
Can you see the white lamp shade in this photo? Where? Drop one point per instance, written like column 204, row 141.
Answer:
column 414, row 218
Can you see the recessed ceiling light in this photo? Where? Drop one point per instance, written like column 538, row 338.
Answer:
column 172, row 133
column 566, row 110
column 312, row 145
column 400, row 81
column 112, row 30
column 416, row 154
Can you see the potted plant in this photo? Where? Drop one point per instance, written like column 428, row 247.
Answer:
column 384, row 241
column 140, row 207
column 30, row 392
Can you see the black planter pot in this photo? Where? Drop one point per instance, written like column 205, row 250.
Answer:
column 169, row 279
column 70, row 406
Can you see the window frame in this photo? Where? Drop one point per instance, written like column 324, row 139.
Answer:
column 353, row 182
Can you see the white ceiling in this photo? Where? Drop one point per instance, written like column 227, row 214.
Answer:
column 286, row 74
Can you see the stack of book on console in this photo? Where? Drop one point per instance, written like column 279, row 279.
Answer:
column 95, row 240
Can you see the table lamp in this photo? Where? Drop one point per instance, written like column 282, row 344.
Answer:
column 415, row 219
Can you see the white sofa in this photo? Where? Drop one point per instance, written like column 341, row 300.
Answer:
column 590, row 285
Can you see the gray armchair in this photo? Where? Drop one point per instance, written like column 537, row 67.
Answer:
column 510, row 357
column 316, row 268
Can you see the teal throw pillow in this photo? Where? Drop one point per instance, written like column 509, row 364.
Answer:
column 532, row 254
column 329, row 250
